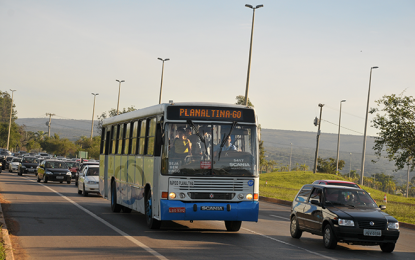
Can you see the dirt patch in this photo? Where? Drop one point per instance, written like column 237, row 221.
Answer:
column 13, row 228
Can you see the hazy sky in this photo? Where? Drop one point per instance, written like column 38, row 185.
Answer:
column 56, row 53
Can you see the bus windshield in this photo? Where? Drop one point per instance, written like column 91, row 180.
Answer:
column 210, row 149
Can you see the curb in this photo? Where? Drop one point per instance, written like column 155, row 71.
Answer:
column 6, row 239
column 288, row 203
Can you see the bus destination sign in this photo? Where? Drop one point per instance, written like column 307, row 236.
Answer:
column 210, row 113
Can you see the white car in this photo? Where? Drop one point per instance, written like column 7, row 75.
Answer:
column 14, row 164
column 88, row 180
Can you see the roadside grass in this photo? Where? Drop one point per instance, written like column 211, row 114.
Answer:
column 285, row 186
column 2, row 249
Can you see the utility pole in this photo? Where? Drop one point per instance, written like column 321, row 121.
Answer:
column 291, row 154
column 50, row 118
column 93, row 113
column 10, row 123
column 317, row 121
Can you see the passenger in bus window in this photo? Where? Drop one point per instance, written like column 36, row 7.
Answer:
column 195, row 142
column 182, row 145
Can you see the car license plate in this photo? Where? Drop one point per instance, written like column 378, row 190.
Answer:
column 212, row 208
column 372, row 232
column 59, row 177
column 31, row 170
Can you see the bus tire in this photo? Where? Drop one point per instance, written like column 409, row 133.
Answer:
column 126, row 210
column 233, row 225
column 151, row 222
column 114, row 206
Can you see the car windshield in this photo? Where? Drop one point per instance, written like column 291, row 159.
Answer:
column 29, row 160
column 58, row 165
column 210, row 149
column 93, row 172
column 71, row 164
column 351, row 198
column 16, row 160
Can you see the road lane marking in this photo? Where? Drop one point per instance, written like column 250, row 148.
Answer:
column 122, row 233
column 288, row 244
column 279, row 217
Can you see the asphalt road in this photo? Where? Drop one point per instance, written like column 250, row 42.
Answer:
column 54, row 222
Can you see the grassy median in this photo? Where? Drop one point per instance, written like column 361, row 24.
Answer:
column 285, row 185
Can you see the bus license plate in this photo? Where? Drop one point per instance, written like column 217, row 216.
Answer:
column 177, row 210
column 372, row 232
column 213, row 208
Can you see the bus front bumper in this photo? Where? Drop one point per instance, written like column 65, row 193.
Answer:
column 231, row 211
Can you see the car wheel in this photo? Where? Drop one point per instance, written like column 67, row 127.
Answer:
column 126, row 210
column 387, row 247
column 114, row 206
column 233, row 225
column 79, row 191
column 61, row 181
column 329, row 239
column 19, row 173
column 38, row 180
column 45, row 179
column 151, row 222
column 294, row 229
column 85, row 193
column 68, row 182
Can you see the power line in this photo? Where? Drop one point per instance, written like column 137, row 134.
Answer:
column 341, row 126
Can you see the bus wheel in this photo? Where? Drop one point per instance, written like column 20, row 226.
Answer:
column 233, row 225
column 151, row 222
column 114, row 206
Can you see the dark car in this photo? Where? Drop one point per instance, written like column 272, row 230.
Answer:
column 7, row 161
column 73, row 168
column 337, row 182
column 29, row 164
column 81, row 167
column 342, row 214
column 53, row 170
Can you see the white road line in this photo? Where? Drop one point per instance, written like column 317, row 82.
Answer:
column 288, row 244
column 279, row 217
column 122, row 233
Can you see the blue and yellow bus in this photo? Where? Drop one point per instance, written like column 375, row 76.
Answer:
column 182, row 161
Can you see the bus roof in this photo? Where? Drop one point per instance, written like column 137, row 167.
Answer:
column 161, row 108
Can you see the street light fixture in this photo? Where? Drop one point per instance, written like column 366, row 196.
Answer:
column 10, row 122
column 250, row 51
column 119, row 90
column 93, row 113
column 162, row 72
column 338, row 138
column 364, row 135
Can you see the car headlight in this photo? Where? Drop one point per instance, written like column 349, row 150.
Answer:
column 68, row 173
column 346, row 222
column 393, row 225
column 47, row 172
column 23, row 166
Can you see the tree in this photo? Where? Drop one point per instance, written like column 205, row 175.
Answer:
column 240, row 100
column 5, row 105
column 396, row 125
column 328, row 165
column 111, row 113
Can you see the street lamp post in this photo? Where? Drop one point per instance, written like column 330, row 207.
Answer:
column 338, row 138
column 362, row 172
column 93, row 114
column 162, row 72
column 250, row 51
column 119, row 90
column 10, row 122
column 350, row 164
column 291, row 155
column 318, row 121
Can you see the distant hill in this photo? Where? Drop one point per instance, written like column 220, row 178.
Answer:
column 65, row 128
column 277, row 144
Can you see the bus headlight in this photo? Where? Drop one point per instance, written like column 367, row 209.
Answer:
column 249, row 196
column 182, row 195
column 240, row 196
column 172, row 195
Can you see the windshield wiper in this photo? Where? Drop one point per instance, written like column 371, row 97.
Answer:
column 226, row 138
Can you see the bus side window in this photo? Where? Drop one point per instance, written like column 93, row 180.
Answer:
column 151, row 134
column 142, row 139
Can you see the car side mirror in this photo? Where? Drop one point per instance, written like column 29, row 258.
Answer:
column 315, row 202
column 382, row 207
